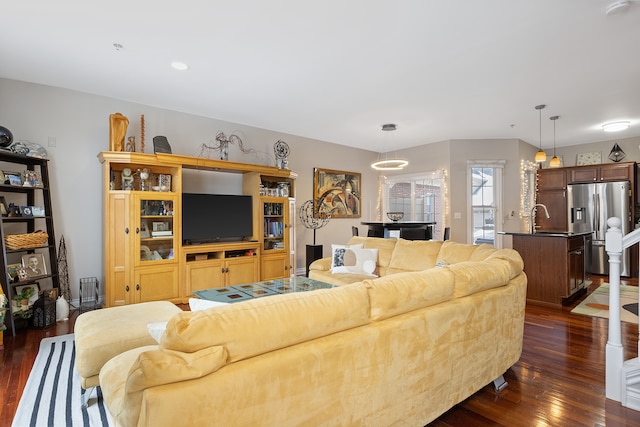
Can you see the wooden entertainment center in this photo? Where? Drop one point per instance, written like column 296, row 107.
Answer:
column 145, row 259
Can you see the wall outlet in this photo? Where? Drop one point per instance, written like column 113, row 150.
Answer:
column 457, row 215
column 512, row 214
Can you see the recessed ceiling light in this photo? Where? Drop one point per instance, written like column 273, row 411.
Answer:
column 181, row 66
column 616, row 126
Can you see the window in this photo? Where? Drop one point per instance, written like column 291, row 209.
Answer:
column 420, row 197
column 485, row 200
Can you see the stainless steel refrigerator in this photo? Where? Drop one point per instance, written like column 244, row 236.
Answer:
column 590, row 205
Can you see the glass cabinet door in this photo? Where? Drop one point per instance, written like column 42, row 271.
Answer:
column 274, row 226
column 156, row 236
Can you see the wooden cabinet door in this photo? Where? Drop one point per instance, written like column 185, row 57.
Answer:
column 552, row 179
column 202, row 275
column 156, row 283
column 118, row 250
column 576, row 270
column 584, row 174
column 274, row 267
column 556, row 203
column 616, row 172
column 241, row 270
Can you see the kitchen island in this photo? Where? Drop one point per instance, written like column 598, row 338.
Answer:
column 554, row 264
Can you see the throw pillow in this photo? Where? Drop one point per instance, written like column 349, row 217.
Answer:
column 337, row 254
column 356, row 261
column 156, row 329
column 196, row 304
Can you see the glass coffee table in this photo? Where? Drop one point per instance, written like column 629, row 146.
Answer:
column 230, row 294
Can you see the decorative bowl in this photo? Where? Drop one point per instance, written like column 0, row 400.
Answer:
column 395, row 216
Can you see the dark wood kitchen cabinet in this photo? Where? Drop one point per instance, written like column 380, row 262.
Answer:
column 552, row 192
column 554, row 264
column 602, row 173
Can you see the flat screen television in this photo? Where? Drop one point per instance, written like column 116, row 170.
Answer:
column 210, row 218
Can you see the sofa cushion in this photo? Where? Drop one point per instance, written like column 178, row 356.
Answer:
column 151, row 366
column 403, row 292
column 355, row 260
column 414, row 255
column 337, row 279
column 453, row 252
column 482, row 252
column 385, row 249
column 475, row 276
column 257, row 326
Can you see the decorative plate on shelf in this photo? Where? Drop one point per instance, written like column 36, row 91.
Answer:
column 592, row 158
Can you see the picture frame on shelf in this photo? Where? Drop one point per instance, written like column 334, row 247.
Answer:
column 12, row 271
column 144, row 229
column 337, row 192
column 22, row 274
column 51, row 293
column 26, row 211
column 37, row 211
column 4, row 209
column 34, row 265
column 34, row 294
column 13, row 178
column 31, row 178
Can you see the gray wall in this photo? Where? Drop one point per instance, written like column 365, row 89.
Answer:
column 79, row 123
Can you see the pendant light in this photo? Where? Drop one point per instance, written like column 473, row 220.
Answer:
column 616, row 153
column 541, row 156
column 389, row 164
column 555, row 161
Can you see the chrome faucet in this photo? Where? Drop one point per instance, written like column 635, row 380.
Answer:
column 531, row 214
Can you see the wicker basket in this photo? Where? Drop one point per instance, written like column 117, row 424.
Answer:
column 26, row 241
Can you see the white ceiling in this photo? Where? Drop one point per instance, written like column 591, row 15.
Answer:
column 336, row 70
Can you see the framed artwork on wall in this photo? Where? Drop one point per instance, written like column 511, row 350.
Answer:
column 337, row 192
column 592, row 158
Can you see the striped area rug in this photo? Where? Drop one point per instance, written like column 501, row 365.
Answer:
column 52, row 394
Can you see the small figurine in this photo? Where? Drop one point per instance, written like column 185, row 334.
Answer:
column 131, row 144
column 127, row 179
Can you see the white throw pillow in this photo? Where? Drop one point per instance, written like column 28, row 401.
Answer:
column 156, row 329
column 196, row 304
column 337, row 254
column 356, row 260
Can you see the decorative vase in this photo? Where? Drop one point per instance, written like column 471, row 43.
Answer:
column 62, row 309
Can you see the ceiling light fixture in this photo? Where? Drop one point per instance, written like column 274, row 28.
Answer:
column 616, row 126
column 555, row 161
column 386, row 164
column 541, row 156
column 180, row 66
column 617, row 6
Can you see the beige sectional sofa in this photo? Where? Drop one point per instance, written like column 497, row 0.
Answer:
column 396, row 350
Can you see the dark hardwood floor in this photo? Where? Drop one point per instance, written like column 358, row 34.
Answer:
column 558, row 381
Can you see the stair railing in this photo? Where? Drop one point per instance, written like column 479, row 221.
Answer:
column 622, row 377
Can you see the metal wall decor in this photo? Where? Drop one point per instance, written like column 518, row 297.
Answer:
column 282, row 151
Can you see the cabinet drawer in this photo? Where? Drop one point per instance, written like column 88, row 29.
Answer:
column 576, row 243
